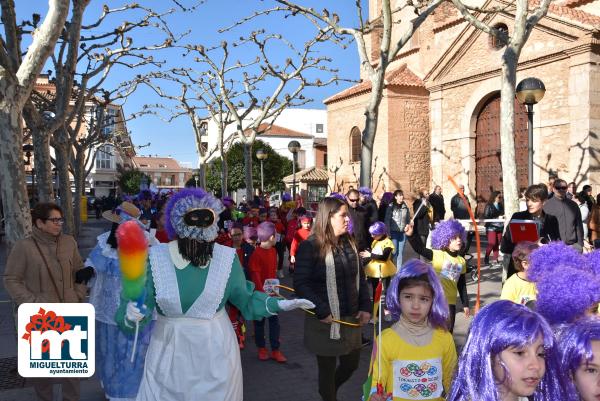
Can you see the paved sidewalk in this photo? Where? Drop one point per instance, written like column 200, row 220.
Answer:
column 295, row 380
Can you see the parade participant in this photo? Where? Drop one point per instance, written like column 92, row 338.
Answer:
column 366, row 200
column 494, row 209
column 190, row 279
column 47, row 267
column 446, row 241
column 579, row 345
column 248, row 246
column 423, row 215
column 236, row 239
column 251, row 218
column 518, row 288
column 397, row 217
column 120, row 379
column 379, row 265
column 301, row 234
column 279, row 239
column 386, row 200
column 360, row 218
column 161, row 233
column 510, row 354
column 262, row 267
column 147, row 217
column 328, row 273
column 418, row 345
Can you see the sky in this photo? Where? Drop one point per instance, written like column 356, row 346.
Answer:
column 176, row 138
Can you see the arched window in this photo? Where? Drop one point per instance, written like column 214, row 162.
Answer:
column 355, row 144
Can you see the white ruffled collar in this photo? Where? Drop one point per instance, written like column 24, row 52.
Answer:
column 110, row 252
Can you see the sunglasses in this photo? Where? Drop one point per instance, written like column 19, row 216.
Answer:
column 352, row 200
column 56, row 220
column 561, row 188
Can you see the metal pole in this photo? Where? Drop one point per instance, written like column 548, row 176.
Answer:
column 294, row 177
column 262, row 184
column 530, row 147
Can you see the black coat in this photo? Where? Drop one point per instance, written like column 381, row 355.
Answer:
column 421, row 218
column 310, row 280
column 360, row 227
column 439, row 209
column 458, row 207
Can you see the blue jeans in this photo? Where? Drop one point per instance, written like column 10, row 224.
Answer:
column 398, row 239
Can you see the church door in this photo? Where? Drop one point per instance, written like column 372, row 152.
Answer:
column 488, row 165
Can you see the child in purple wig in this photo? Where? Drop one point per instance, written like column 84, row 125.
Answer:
column 418, row 345
column 379, row 265
column 448, row 263
column 510, row 353
column 580, row 357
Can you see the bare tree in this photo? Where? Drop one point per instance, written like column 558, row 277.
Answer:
column 18, row 73
column 524, row 22
column 374, row 69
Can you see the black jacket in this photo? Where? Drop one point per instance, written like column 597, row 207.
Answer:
column 458, row 207
column 372, row 211
column 439, row 210
column 568, row 215
column 548, row 230
column 310, row 279
column 491, row 212
column 360, row 227
column 421, row 218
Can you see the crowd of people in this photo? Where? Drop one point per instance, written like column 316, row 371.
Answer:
column 214, row 266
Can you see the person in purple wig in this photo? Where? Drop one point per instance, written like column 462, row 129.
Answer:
column 190, row 279
column 379, row 264
column 448, row 263
column 510, row 354
column 579, row 345
column 418, row 345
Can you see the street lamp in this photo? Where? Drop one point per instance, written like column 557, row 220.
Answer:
column 529, row 92
column 262, row 156
column 294, row 147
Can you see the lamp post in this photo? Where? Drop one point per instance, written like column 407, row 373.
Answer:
column 294, row 147
column 529, row 92
column 262, row 156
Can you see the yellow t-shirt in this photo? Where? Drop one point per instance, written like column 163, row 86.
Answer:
column 448, row 268
column 377, row 268
column 411, row 372
column 518, row 290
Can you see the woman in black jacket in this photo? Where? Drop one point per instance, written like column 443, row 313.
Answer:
column 328, row 272
column 494, row 208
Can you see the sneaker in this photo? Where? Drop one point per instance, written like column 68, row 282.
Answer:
column 278, row 356
column 263, row 354
column 280, row 274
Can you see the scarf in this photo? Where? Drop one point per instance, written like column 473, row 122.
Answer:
column 332, row 294
column 419, row 334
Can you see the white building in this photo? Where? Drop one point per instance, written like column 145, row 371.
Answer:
column 306, row 126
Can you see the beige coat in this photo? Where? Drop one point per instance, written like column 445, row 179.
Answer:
column 27, row 278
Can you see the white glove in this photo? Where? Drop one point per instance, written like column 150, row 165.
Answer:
column 291, row 304
column 133, row 313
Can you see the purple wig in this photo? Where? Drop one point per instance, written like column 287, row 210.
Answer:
column 265, row 230
column 445, row 232
column 566, row 296
column 377, row 228
column 250, row 233
column 593, row 262
column 185, row 200
column 387, row 197
column 548, row 258
column 414, row 269
column 498, row 326
column 286, row 197
column 366, row 192
column 575, row 343
column 337, row 195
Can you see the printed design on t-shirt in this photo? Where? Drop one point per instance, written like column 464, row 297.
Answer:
column 450, row 270
column 525, row 299
column 418, row 380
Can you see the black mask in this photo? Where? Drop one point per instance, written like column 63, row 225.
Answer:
column 199, row 218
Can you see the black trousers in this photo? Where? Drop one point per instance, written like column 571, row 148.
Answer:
column 280, row 248
column 451, row 318
column 332, row 375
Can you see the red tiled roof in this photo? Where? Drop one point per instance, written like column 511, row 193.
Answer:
column 312, row 174
column 400, row 77
column 156, row 163
column 571, row 13
column 576, row 3
column 275, row 130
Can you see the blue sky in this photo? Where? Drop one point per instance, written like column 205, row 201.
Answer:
column 176, row 138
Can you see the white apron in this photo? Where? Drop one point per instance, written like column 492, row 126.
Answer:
column 192, row 356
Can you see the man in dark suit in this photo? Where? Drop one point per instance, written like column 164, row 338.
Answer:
column 437, row 202
column 536, row 195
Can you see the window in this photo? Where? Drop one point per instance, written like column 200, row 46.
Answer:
column 496, row 43
column 316, row 192
column 110, row 118
column 173, row 182
column 355, row 145
column 105, row 157
column 319, row 128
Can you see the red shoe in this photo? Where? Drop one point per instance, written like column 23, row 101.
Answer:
column 263, row 354
column 278, row 356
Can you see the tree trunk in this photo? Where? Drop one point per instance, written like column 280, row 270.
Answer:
column 15, row 203
column 507, row 129
column 79, row 177
column 248, row 168
column 62, row 165
column 368, row 140
column 202, row 175
column 43, row 166
column 224, row 172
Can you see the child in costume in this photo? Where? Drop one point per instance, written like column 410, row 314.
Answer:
column 190, row 280
column 418, row 355
column 380, row 265
column 236, row 238
column 248, row 246
column 300, row 235
column 446, row 240
column 119, row 377
column 510, row 354
column 518, row 288
column 262, row 267
column 580, row 356
column 279, row 239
